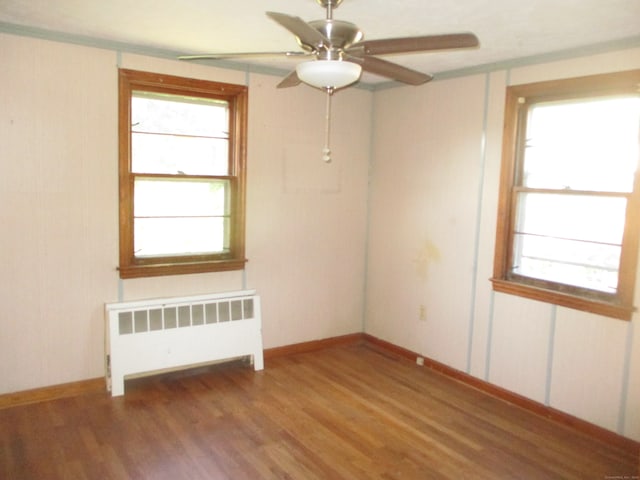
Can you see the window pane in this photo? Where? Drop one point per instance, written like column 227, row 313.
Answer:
column 585, row 145
column 176, row 217
column 570, row 239
column 178, row 134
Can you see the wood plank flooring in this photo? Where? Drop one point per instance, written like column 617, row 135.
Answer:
column 348, row 412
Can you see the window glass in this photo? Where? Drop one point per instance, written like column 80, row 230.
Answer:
column 181, row 217
column 582, row 145
column 570, row 239
column 179, row 135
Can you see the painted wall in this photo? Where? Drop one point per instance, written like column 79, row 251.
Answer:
column 306, row 220
column 433, row 202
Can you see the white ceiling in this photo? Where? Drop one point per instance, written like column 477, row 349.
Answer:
column 507, row 29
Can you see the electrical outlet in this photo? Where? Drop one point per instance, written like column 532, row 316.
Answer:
column 422, row 313
column 420, row 361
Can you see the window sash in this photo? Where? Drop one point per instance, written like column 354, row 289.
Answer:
column 567, row 255
column 567, row 141
column 164, row 227
column 179, row 134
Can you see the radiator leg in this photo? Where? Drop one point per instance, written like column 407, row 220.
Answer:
column 117, row 383
column 258, row 361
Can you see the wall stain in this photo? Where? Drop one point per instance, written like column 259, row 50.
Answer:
column 427, row 255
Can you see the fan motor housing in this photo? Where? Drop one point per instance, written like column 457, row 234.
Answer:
column 341, row 34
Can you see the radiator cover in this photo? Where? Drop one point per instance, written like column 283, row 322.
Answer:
column 151, row 336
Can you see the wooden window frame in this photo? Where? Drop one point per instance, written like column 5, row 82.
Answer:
column 237, row 98
column 618, row 305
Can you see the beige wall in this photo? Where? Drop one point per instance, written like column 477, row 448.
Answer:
column 434, row 155
column 306, row 220
column 433, row 203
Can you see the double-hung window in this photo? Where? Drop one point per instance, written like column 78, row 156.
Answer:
column 182, row 175
column 569, row 208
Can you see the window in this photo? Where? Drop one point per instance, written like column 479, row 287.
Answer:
column 182, row 175
column 569, row 207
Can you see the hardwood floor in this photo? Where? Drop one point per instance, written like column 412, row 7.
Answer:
column 349, row 412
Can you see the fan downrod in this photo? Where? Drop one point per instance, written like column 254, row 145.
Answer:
column 329, row 5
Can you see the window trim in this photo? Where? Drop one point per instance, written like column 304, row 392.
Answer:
column 237, row 96
column 621, row 304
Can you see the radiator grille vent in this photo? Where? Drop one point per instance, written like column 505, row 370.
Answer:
column 181, row 316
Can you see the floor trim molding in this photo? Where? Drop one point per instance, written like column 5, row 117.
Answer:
column 312, row 346
column 97, row 385
column 54, row 392
column 539, row 409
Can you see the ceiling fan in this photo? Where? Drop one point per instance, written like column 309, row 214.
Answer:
column 340, row 53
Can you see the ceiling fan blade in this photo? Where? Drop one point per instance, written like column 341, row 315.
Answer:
column 390, row 70
column 305, row 33
column 414, row 44
column 221, row 56
column 290, row 80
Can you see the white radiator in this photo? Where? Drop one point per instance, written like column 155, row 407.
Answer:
column 170, row 333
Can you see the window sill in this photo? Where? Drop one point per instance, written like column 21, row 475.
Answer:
column 565, row 300
column 140, row 271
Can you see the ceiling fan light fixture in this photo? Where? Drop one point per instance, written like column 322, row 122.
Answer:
column 328, row 73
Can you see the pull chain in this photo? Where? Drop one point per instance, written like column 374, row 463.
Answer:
column 326, row 151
